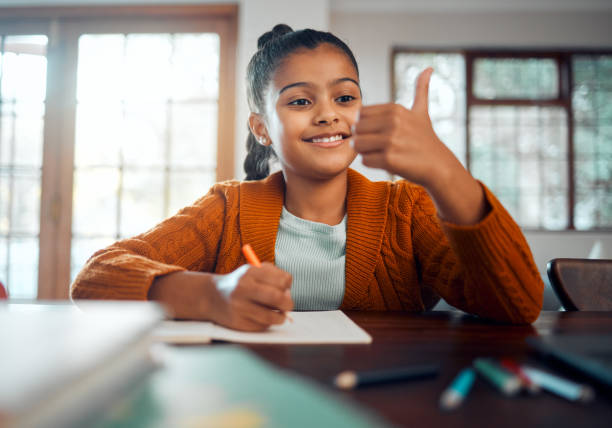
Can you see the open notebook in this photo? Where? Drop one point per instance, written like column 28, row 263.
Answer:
column 307, row 328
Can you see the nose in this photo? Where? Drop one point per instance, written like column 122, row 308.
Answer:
column 326, row 113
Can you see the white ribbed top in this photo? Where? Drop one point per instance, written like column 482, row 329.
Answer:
column 314, row 254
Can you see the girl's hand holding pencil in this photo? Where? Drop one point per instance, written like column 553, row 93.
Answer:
column 255, row 296
column 252, row 258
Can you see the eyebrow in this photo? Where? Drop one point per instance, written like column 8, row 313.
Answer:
column 335, row 82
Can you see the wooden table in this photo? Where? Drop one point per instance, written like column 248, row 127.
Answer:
column 453, row 340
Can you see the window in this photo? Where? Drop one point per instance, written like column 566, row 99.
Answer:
column 111, row 120
column 23, row 75
column 536, row 127
column 446, row 96
column 154, row 151
column 592, row 109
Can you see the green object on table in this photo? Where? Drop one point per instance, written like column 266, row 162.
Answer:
column 505, row 382
column 228, row 386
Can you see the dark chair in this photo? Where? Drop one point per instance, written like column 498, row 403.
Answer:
column 582, row 284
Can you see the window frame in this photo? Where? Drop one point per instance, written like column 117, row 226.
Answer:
column 563, row 58
column 63, row 26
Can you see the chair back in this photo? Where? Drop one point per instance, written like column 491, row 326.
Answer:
column 582, row 284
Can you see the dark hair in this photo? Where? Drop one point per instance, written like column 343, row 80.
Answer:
column 273, row 47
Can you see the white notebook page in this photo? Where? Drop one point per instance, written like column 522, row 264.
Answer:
column 317, row 327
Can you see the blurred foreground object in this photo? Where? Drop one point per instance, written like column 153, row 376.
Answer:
column 61, row 363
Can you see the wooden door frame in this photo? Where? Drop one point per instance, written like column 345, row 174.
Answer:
column 63, row 26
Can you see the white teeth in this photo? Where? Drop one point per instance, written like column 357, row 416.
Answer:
column 327, row 140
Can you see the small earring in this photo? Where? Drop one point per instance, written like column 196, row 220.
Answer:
column 262, row 140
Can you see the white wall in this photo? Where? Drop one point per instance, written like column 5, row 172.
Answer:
column 546, row 245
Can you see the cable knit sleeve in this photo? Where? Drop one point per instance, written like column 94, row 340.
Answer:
column 186, row 241
column 486, row 269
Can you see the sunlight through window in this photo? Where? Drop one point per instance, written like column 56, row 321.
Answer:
column 146, row 132
column 23, row 75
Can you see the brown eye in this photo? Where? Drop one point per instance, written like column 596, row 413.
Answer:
column 300, row 102
column 345, row 98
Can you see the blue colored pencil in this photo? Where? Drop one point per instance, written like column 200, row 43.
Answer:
column 455, row 394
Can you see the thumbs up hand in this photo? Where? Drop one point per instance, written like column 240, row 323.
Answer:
column 400, row 140
column 403, row 142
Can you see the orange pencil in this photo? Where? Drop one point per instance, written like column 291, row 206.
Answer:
column 250, row 255
column 252, row 258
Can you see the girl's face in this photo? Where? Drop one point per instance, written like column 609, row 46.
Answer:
column 312, row 101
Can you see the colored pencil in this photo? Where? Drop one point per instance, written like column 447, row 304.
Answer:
column 506, row 382
column 512, row 367
column 457, row 391
column 250, row 255
column 559, row 386
column 352, row 379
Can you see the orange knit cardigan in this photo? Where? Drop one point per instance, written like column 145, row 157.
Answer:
column 399, row 255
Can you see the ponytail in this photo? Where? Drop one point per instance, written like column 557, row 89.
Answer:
column 257, row 162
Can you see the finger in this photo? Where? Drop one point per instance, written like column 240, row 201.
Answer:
column 382, row 118
column 260, row 314
column 288, row 297
column 369, row 143
column 373, row 118
column 421, row 95
column 372, row 123
column 375, row 110
column 376, row 159
column 271, row 275
column 247, row 324
column 271, row 297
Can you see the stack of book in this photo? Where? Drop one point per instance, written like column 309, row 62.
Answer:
column 61, row 363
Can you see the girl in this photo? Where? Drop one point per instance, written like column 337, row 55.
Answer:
column 329, row 238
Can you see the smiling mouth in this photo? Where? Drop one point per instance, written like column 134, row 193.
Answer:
column 329, row 139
